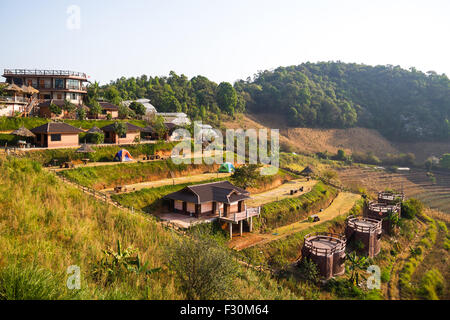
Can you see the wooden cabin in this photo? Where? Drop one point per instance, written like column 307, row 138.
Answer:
column 133, row 133
column 56, row 135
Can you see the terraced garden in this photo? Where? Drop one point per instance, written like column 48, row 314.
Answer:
column 435, row 193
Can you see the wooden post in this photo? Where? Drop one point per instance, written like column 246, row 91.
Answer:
column 241, row 226
column 231, row 230
column 251, row 224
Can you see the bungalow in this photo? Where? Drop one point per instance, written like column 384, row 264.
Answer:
column 221, row 199
column 108, row 108
column 56, row 135
column 132, row 134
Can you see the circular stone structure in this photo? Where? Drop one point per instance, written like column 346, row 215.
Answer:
column 366, row 230
column 380, row 211
column 327, row 250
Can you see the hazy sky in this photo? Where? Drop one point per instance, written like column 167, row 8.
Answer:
column 222, row 40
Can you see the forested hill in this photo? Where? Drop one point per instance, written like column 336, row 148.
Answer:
column 400, row 104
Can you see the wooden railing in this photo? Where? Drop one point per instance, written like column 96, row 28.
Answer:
column 383, row 208
column 375, row 224
column 243, row 215
column 30, row 72
column 338, row 239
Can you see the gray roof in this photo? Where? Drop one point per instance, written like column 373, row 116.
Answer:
column 95, row 129
column 222, row 191
column 130, row 127
column 56, row 127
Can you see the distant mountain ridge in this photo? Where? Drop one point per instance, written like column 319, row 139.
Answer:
column 403, row 105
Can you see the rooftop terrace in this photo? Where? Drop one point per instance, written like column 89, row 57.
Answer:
column 36, row 72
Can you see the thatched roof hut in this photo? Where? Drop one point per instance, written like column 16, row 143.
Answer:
column 95, row 129
column 309, row 170
column 85, row 149
column 23, row 132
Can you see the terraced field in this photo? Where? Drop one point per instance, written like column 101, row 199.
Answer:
column 416, row 183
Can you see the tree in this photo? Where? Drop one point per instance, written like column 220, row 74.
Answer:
column 123, row 111
column 120, row 128
column 444, row 162
column 81, row 114
column 204, row 269
column 55, row 109
column 68, row 106
column 96, row 137
column 226, row 97
column 138, row 108
column 246, row 176
column 95, row 108
column 159, row 126
column 357, row 265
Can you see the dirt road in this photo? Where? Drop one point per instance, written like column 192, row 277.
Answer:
column 341, row 205
column 174, row 181
column 281, row 192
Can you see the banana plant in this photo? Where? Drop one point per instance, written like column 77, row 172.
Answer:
column 358, row 264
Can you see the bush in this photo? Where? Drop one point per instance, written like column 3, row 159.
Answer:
column 431, row 285
column 204, row 269
column 309, row 270
column 96, row 138
column 412, row 208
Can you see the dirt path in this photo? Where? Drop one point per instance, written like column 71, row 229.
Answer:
column 282, row 192
column 174, row 181
column 341, row 205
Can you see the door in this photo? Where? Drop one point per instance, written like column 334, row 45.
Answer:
column 184, row 207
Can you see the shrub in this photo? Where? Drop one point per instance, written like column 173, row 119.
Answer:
column 431, row 285
column 95, row 138
column 309, row 270
column 411, row 208
column 204, row 269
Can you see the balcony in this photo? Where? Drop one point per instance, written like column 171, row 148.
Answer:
column 239, row 216
column 56, row 73
column 9, row 99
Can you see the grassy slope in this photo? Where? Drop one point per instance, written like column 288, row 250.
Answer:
column 127, row 173
column 103, row 153
column 13, row 123
column 290, row 210
column 46, row 226
column 149, row 199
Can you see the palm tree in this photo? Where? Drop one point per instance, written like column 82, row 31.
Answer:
column 357, row 264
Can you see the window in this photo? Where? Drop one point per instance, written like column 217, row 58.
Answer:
column 56, row 137
column 74, row 96
column 59, row 83
column 73, row 84
column 59, row 96
column 123, row 136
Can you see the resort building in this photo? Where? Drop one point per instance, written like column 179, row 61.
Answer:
column 18, row 100
column 220, row 199
column 145, row 102
column 108, row 108
column 56, row 135
column 132, row 135
column 176, row 118
column 52, row 84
